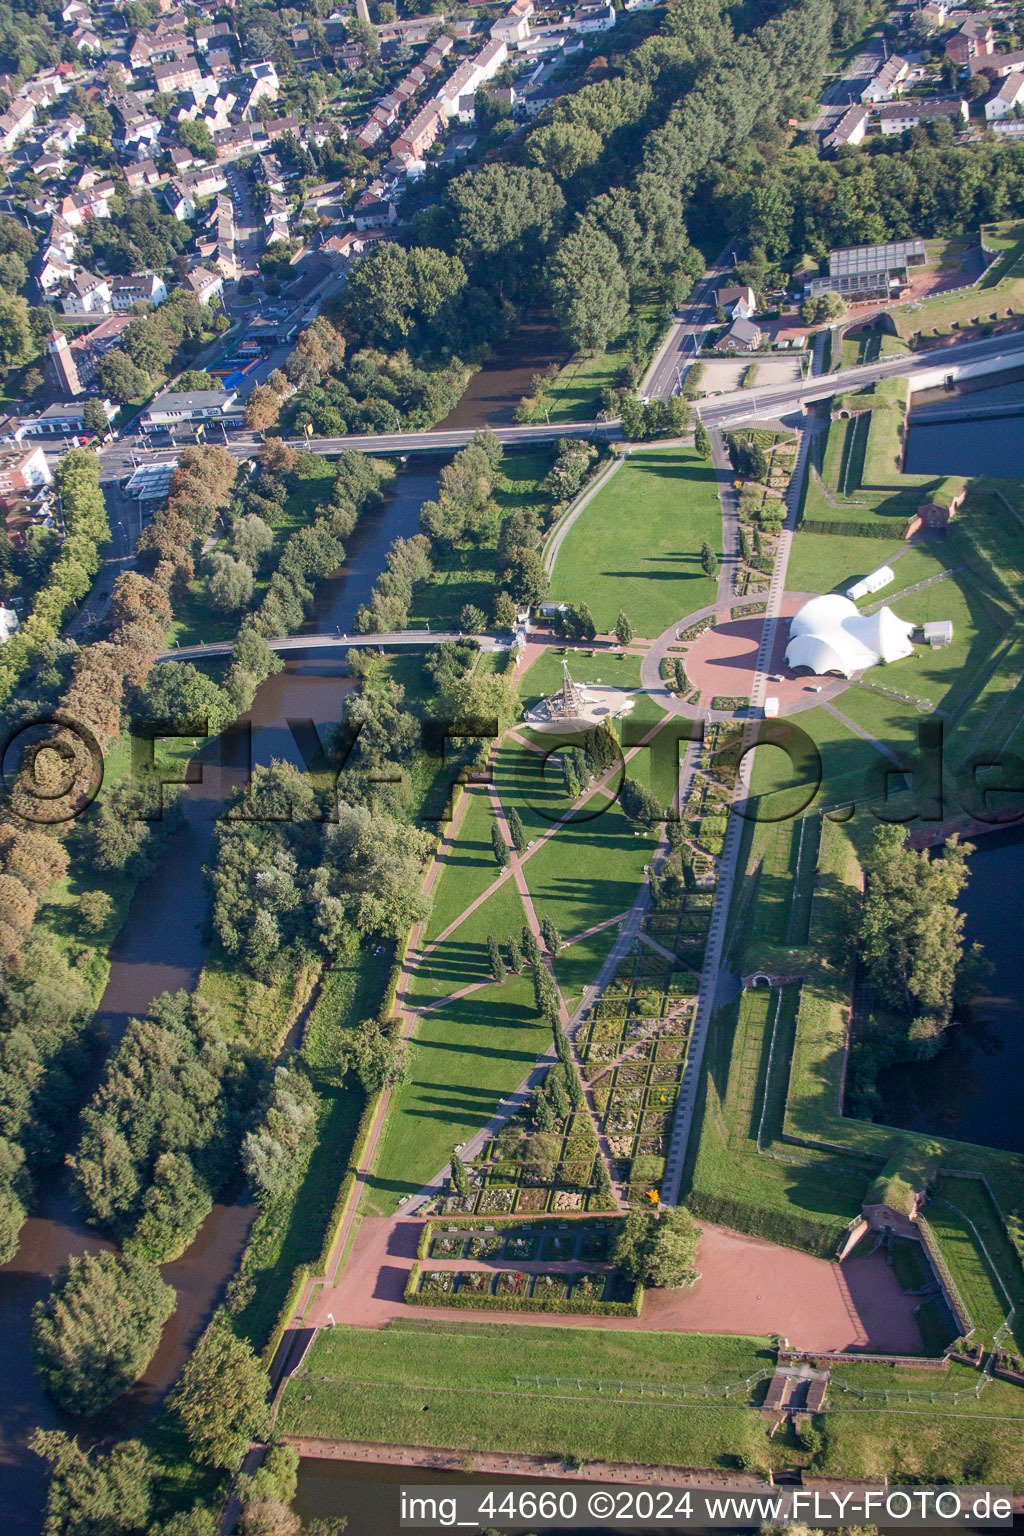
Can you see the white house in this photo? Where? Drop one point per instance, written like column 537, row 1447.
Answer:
column 126, row 291
column 594, row 16
column 1009, row 95
column 8, row 623
column 87, row 295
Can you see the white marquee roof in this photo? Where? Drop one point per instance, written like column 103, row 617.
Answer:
column 828, row 634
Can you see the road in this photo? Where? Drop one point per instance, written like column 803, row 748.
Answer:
column 695, row 319
column 334, row 639
column 760, row 404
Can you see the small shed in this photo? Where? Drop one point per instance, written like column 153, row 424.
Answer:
column 938, row 633
column 873, row 582
column 771, row 709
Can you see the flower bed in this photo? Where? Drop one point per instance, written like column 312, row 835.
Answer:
column 497, row 1200
column 623, row 1299
column 548, row 1287
column 486, row 1246
column 510, row 1282
column 568, row 1200
column 523, row 1247
column 532, row 1201
column 588, row 1287
column 474, row 1282
column 448, row 1245
column 437, row 1282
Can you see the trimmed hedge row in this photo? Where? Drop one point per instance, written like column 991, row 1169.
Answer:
column 284, row 1317
column 879, row 530
column 475, row 1302
column 347, row 1185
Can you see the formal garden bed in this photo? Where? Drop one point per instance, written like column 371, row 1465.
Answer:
column 592, row 1293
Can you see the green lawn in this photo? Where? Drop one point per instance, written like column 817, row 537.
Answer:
column 588, row 871
column 461, row 959
column 637, row 545
column 468, row 867
column 463, row 1059
column 578, row 964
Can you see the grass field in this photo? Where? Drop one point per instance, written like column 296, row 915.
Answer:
column 468, row 867
column 485, row 1387
column 465, row 1056
column 608, row 667
column 637, row 545
column 461, row 959
column 588, row 871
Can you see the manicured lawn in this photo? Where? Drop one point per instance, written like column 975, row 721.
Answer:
column 588, row 871
column 637, row 545
column 578, row 964
column 468, row 867
column 464, row 1058
column 831, row 562
column 607, row 667
column 461, row 959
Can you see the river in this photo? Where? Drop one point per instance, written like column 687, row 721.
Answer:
column 970, row 1090
column 987, row 445
column 160, row 948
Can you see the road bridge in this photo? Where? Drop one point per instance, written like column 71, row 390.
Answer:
column 332, row 640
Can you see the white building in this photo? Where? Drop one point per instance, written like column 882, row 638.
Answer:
column 594, row 16
column 828, row 634
column 873, row 582
column 1009, row 95
column 87, row 295
column 8, row 623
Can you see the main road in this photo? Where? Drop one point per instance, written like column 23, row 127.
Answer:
column 728, row 410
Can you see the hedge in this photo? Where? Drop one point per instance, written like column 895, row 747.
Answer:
column 475, row 1302
column 347, row 1185
column 284, row 1317
column 883, row 529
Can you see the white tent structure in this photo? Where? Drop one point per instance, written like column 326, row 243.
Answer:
column 828, row 634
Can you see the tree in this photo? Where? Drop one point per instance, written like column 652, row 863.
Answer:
column 515, row 955
column 531, row 948
column 494, row 959
column 658, row 1249
column 589, row 292
column 460, row 1178
column 817, row 308
column 701, row 440
column 262, row 408
column 545, row 995
column 472, row 620
column 638, row 804
column 98, row 1329
column 516, row 830
column 624, row 630
column 196, row 136
column 95, row 908
column 552, row 937
column 230, row 583
column 94, row 1493
column 178, row 691
column 604, row 1191
column 15, row 330
column 251, row 539
column 708, row 560
column 121, row 378
column 222, row 1398
column 94, row 419
column 499, row 846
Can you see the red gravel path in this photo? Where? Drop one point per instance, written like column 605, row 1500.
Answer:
column 748, row 1286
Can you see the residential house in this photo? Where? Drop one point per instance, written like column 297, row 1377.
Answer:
column 886, row 83
column 218, row 35
column 144, row 173
column 9, row 622
column 457, row 97
column 61, row 420
column 259, row 84
column 220, row 64
column 205, row 181
column 87, row 295
column 998, row 65
column 182, row 159
column 65, row 133
column 89, row 350
column 23, row 470
column 738, row 301
column 178, row 74
column 16, row 121
column 177, row 201
column 1009, row 96
column 139, row 287
column 93, row 203
column 974, row 39
column 418, row 135
column 514, row 26
column 742, row 336
column 49, row 165
column 86, row 40
column 204, row 285
column 898, row 116
column 850, row 129
column 59, row 367
column 376, row 215
column 593, row 16
column 55, row 270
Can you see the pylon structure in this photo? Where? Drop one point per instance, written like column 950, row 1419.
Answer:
column 569, row 704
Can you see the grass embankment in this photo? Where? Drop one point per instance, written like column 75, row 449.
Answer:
column 998, row 295
column 488, row 1387
column 637, row 547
